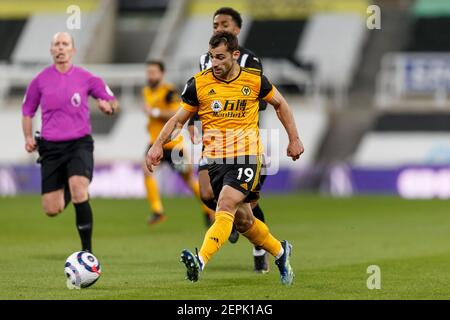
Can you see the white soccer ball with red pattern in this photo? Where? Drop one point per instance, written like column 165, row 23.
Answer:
column 82, row 270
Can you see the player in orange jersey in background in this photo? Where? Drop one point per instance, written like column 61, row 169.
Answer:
column 161, row 103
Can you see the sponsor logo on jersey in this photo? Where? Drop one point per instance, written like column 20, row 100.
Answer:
column 231, row 109
column 109, row 91
column 76, row 99
column 216, row 106
column 246, row 90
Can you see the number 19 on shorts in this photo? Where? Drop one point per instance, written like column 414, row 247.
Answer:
column 248, row 172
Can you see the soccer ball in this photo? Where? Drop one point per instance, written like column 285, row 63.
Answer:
column 82, row 270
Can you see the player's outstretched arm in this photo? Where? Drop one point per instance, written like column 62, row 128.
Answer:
column 27, row 127
column 284, row 113
column 155, row 153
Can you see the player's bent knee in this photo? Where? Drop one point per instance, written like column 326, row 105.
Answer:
column 53, row 213
column 79, row 190
column 224, row 204
column 52, row 210
column 80, row 196
column 53, row 203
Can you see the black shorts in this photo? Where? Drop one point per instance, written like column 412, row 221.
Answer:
column 242, row 174
column 203, row 165
column 61, row 160
column 169, row 155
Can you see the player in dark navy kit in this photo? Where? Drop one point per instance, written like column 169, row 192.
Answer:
column 66, row 145
column 229, row 20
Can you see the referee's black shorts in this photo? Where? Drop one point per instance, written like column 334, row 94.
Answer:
column 61, row 160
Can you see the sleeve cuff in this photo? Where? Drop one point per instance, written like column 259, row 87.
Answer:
column 188, row 107
column 270, row 95
column 27, row 113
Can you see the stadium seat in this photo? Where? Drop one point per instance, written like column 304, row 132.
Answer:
column 333, row 43
column 10, row 30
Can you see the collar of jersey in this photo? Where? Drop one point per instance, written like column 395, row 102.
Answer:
column 228, row 81
column 65, row 73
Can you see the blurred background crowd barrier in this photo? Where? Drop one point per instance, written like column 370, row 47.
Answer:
column 372, row 105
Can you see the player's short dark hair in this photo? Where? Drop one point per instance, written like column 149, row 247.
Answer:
column 236, row 16
column 158, row 63
column 227, row 38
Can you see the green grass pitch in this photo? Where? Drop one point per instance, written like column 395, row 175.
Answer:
column 335, row 240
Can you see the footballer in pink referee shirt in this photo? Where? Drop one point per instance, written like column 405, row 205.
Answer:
column 66, row 145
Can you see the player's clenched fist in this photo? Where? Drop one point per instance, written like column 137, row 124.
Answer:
column 154, row 156
column 295, row 149
column 30, row 144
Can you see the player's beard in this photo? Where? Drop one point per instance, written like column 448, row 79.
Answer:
column 223, row 72
column 153, row 83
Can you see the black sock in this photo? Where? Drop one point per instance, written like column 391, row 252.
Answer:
column 258, row 213
column 67, row 196
column 210, row 203
column 84, row 223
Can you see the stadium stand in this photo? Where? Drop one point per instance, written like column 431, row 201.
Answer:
column 406, row 139
column 93, row 39
column 418, row 76
column 320, row 54
column 138, row 27
column 333, row 43
column 275, row 38
column 156, row 7
column 10, row 30
column 276, row 50
column 406, row 148
column 431, row 18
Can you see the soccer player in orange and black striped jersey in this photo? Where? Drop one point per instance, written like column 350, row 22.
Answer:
column 161, row 103
column 226, row 99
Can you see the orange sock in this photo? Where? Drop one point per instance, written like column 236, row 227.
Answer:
column 216, row 235
column 259, row 235
column 153, row 197
column 195, row 187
